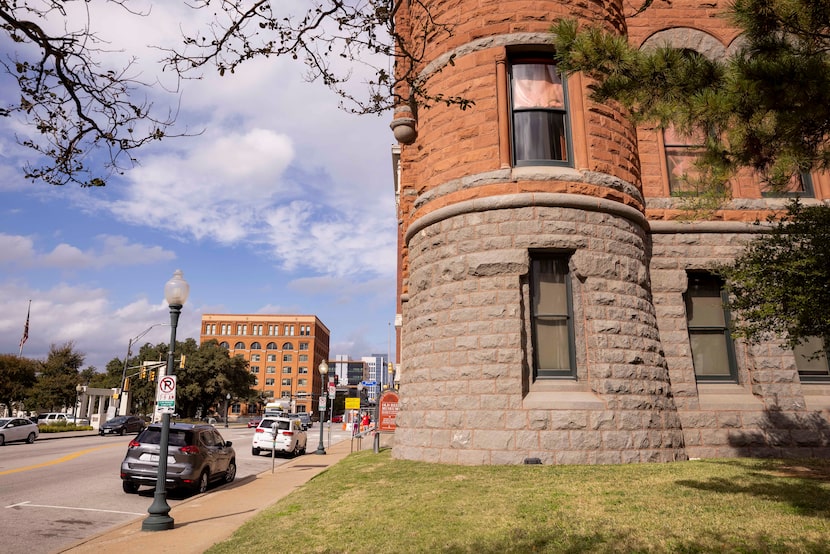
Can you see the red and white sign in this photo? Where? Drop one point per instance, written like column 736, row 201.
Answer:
column 387, row 411
column 166, row 394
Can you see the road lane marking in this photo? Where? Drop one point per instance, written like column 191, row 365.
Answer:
column 66, row 458
column 28, row 504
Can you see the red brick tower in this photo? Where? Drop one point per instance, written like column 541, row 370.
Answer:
column 528, row 327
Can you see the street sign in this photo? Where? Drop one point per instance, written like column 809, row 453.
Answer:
column 166, row 394
column 369, row 383
column 332, row 391
column 321, row 404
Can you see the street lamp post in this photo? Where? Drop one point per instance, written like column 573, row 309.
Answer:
column 126, row 361
column 227, row 405
column 176, row 291
column 78, row 390
column 323, row 368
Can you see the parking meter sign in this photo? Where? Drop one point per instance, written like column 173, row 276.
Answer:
column 166, row 394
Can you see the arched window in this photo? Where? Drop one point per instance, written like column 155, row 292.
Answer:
column 224, row 344
column 288, row 346
column 271, row 346
column 256, row 346
column 239, row 345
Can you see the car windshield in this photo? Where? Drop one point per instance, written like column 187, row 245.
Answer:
column 119, row 419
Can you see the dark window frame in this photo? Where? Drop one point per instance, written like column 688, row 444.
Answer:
column 546, row 58
column 538, row 372
column 711, row 279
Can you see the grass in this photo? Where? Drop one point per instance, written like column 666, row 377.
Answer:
column 372, row 503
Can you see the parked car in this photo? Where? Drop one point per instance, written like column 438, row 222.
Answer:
column 305, row 417
column 253, row 422
column 56, row 417
column 337, row 419
column 290, row 437
column 121, row 425
column 14, row 429
column 197, row 455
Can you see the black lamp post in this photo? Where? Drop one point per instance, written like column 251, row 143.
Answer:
column 323, row 368
column 227, row 405
column 175, row 292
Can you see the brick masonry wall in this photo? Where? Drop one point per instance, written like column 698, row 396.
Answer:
column 765, row 413
column 466, row 328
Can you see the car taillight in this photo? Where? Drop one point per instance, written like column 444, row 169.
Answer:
column 288, row 433
column 259, row 430
column 189, row 449
column 134, row 444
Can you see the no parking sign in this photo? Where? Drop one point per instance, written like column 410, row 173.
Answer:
column 166, row 394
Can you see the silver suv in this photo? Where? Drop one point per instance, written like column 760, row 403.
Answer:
column 290, row 436
column 196, row 455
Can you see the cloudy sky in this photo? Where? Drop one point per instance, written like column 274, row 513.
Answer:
column 283, row 205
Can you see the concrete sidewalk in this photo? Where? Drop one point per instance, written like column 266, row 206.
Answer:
column 206, row 519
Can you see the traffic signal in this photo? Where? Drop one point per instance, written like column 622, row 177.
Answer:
column 127, row 384
column 181, row 362
column 143, row 372
column 152, row 375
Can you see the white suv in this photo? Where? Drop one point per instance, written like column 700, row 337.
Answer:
column 290, row 436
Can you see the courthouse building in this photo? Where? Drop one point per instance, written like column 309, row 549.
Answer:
column 555, row 302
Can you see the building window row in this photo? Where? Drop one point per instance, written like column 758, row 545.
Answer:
column 707, row 317
column 256, row 330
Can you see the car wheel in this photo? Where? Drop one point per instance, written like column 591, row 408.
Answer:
column 230, row 474
column 31, row 438
column 129, row 487
column 2, row 440
column 254, row 451
column 122, row 431
column 296, row 451
column 202, row 485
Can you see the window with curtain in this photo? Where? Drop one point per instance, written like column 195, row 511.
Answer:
column 552, row 317
column 538, row 112
column 707, row 317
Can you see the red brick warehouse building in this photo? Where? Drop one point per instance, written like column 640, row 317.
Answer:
column 283, row 352
column 554, row 302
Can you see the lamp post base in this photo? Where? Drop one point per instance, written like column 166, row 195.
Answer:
column 159, row 518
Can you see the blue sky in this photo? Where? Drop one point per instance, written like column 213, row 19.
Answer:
column 284, row 204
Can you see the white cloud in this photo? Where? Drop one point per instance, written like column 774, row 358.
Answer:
column 109, row 251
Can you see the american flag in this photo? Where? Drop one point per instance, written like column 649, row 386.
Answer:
column 25, row 336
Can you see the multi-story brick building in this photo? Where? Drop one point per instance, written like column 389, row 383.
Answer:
column 555, row 301
column 283, row 351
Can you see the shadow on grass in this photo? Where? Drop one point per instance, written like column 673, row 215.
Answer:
column 634, row 541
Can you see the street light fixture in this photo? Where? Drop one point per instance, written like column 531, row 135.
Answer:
column 227, row 405
column 176, row 291
column 130, row 344
column 323, row 368
column 78, row 390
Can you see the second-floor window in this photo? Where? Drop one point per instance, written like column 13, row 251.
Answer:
column 539, row 121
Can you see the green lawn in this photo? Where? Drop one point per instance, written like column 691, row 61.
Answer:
column 370, row 503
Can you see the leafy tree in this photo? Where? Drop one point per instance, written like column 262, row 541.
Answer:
column 78, row 104
column 209, row 374
column 59, row 375
column 17, row 376
column 780, row 284
column 766, row 107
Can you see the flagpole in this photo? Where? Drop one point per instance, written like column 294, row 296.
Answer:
column 25, row 336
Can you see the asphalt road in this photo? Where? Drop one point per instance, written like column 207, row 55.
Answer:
column 54, row 493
